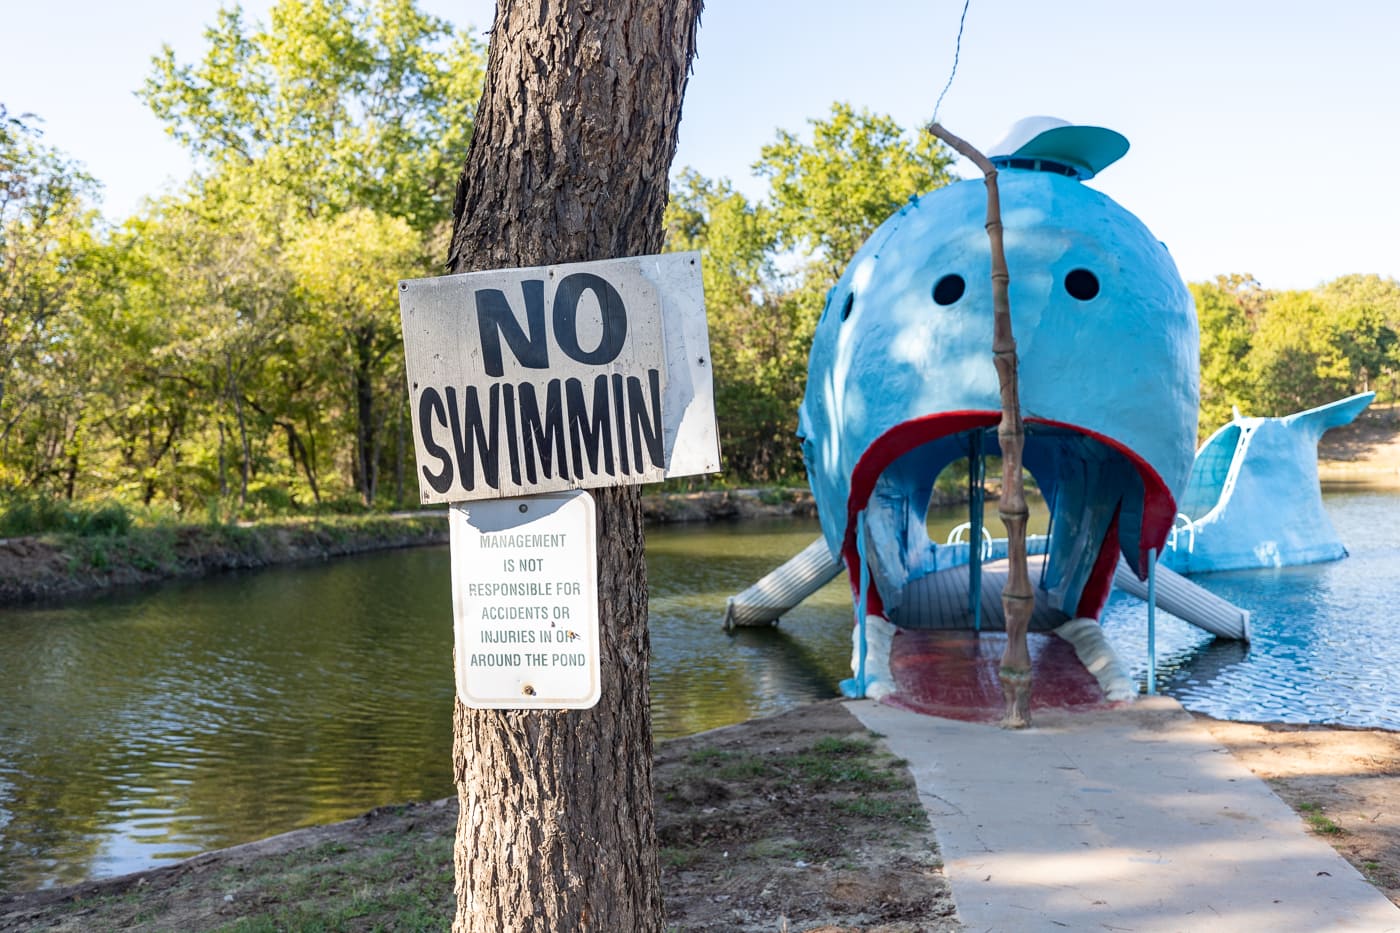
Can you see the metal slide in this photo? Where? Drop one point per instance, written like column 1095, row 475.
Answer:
column 787, row 586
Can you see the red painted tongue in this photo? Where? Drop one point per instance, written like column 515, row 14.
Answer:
column 954, row 675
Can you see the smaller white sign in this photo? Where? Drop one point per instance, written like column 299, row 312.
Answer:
column 525, row 602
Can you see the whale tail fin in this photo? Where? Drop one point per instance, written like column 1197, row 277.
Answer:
column 1323, row 418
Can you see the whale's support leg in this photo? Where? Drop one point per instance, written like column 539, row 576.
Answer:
column 1152, row 622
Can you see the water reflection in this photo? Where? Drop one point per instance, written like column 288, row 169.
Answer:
column 151, row 726
column 148, row 726
column 1322, row 650
column 702, row 678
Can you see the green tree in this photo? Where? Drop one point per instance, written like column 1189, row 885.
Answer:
column 758, row 336
column 206, row 309
column 768, row 265
column 342, row 104
column 137, row 414
column 342, row 264
column 336, row 122
column 826, row 196
column 1227, row 311
column 1293, row 361
column 1277, row 352
column 48, row 229
column 1365, row 311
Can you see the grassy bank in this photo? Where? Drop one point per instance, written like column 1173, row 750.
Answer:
column 63, row 564
column 1365, row 452
column 57, row 550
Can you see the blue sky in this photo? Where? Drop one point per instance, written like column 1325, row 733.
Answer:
column 1261, row 130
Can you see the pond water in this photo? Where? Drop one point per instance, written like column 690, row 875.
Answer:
column 142, row 727
column 1324, row 646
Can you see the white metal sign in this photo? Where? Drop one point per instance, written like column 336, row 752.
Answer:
column 559, row 377
column 525, row 602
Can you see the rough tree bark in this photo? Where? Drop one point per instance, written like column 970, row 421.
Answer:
column 1017, row 598
column 569, row 162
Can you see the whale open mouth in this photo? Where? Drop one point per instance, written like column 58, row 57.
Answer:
column 1104, row 498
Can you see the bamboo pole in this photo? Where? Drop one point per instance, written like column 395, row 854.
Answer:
column 1016, row 597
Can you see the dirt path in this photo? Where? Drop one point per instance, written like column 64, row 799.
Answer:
column 796, row 822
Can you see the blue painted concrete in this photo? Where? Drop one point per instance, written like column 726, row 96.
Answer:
column 1253, row 498
column 901, row 380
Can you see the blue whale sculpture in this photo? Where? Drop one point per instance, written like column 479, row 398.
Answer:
column 901, row 380
column 1253, row 499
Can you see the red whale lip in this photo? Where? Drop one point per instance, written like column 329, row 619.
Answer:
column 1158, row 506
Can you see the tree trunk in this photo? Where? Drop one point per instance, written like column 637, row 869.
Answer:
column 400, row 452
column 296, row 450
column 70, row 480
column 568, row 162
column 310, row 455
column 365, row 460
column 223, row 463
column 236, row 394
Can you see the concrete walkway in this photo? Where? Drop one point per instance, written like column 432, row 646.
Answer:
column 1119, row 819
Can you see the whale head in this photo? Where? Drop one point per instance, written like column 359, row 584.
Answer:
column 901, row 380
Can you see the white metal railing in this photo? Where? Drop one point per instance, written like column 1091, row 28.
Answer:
column 1181, row 524
column 958, row 536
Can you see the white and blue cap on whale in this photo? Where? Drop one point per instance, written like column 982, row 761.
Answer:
column 1049, row 144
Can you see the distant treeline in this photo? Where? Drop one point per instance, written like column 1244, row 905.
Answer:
column 234, row 347
column 1276, row 352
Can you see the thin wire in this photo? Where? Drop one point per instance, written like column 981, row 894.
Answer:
column 957, row 53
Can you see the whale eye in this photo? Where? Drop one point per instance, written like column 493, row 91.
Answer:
column 948, row 289
column 1082, row 284
column 850, row 303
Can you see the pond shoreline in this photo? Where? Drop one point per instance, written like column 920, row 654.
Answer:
column 753, row 826
column 52, row 568
column 55, row 568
